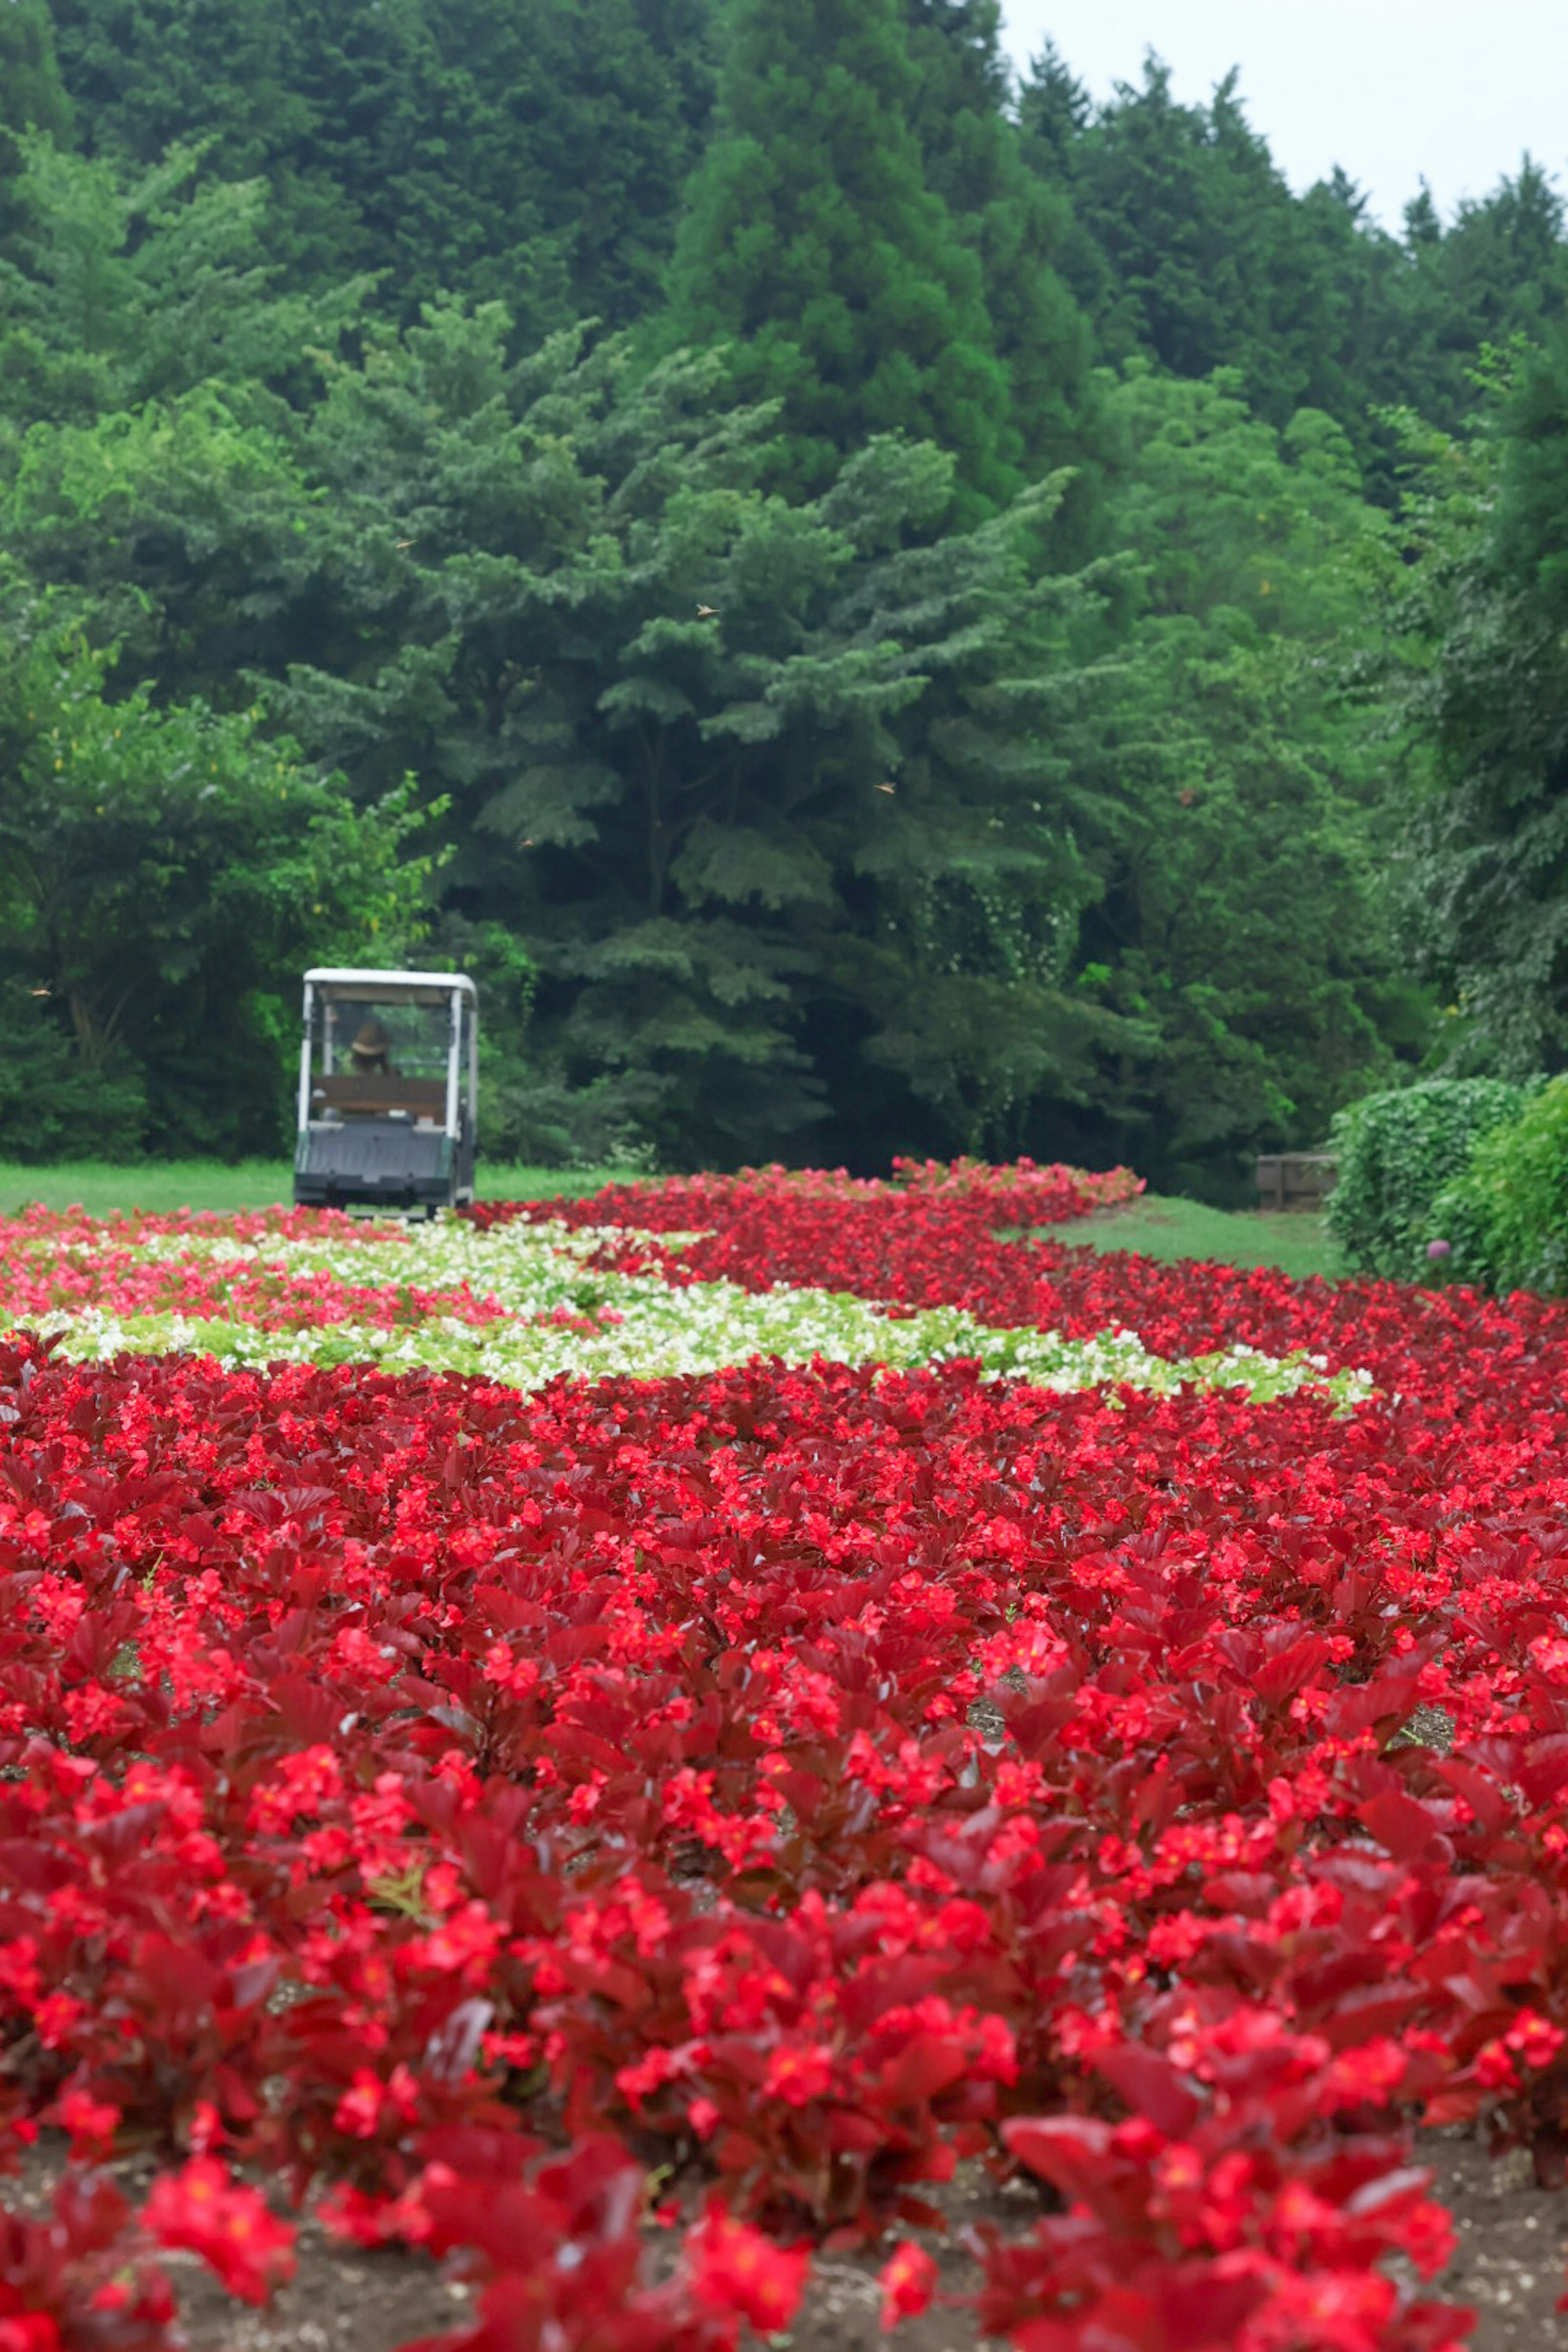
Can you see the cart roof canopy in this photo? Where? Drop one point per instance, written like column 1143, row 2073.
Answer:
column 409, row 987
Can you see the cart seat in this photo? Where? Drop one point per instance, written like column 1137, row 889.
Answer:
column 375, row 1096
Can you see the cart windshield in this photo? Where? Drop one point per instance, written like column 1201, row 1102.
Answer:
column 369, row 1037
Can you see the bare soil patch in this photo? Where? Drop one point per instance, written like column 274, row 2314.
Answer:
column 1510, row 2267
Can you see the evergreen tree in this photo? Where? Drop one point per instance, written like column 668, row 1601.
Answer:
column 1186, row 245
column 1017, row 228
column 541, row 155
column 813, row 249
column 148, row 373
column 1500, row 270
column 31, row 98
column 1055, row 111
column 1207, row 260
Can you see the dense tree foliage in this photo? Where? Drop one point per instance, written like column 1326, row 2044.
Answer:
column 32, row 97
column 535, row 153
column 1189, row 246
column 874, row 609
column 1484, row 664
column 159, row 871
column 1241, row 925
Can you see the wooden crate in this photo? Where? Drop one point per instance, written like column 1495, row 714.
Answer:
column 1296, row 1180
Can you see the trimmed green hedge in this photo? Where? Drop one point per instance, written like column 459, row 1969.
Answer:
column 1396, row 1153
column 1505, row 1218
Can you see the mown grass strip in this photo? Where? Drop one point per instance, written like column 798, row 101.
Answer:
column 1160, row 1226
column 101, row 1187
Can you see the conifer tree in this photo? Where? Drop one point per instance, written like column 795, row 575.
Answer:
column 1208, row 258
column 1019, row 228
column 815, row 247
column 32, row 97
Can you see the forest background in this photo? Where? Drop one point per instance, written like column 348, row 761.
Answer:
column 875, row 608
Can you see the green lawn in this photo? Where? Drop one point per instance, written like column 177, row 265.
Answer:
column 99, row 1187
column 1168, row 1229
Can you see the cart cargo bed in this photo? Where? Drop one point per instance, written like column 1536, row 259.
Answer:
column 372, row 1160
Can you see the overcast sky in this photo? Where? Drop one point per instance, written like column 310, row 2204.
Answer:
column 1393, row 90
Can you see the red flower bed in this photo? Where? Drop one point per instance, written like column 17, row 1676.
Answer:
column 804, row 1780
column 1021, row 1193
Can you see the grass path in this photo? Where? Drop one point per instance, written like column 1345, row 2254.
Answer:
column 1159, row 1226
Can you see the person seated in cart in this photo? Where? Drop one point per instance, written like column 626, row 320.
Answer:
column 370, row 1054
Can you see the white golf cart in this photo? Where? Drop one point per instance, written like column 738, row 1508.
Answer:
column 388, row 1090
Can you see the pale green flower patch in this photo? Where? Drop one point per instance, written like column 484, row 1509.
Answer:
column 639, row 1325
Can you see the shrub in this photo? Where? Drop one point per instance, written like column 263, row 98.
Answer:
column 1397, row 1152
column 1510, row 1209
column 52, row 1105
column 1457, row 1222
column 529, row 1115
